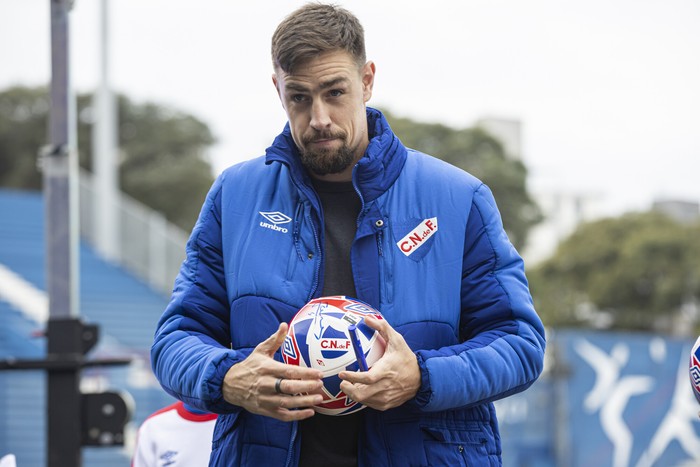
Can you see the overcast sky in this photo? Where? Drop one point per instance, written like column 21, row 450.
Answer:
column 608, row 91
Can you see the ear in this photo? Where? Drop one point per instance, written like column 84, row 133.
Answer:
column 368, row 71
column 276, row 84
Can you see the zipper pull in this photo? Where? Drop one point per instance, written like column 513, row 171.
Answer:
column 379, row 224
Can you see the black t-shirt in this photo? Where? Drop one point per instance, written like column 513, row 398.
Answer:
column 341, row 207
column 332, row 440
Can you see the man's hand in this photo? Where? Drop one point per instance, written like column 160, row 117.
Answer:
column 253, row 383
column 394, row 378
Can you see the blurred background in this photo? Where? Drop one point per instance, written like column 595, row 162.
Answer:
column 581, row 116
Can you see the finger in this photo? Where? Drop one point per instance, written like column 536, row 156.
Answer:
column 268, row 366
column 359, row 377
column 290, row 415
column 358, row 392
column 349, row 389
column 281, row 408
column 298, row 385
column 379, row 396
column 297, row 402
column 270, row 345
column 289, row 408
column 380, row 325
column 393, row 339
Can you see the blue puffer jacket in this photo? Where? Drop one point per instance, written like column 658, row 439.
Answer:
column 430, row 253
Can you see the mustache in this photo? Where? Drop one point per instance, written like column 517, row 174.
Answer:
column 320, row 136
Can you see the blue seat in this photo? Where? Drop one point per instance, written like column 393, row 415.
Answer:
column 125, row 308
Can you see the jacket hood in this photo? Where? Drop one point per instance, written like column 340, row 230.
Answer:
column 374, row 173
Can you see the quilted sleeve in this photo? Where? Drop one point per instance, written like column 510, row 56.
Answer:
column 191, row 351
column 502, row 337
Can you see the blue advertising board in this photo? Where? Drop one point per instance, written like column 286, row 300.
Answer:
column 606, row 399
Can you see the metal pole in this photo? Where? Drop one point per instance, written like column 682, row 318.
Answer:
column 104, row 148
column 60, row 167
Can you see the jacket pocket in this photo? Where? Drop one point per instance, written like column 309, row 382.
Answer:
column 225, row 424
column 463, row 446
column 258, row 454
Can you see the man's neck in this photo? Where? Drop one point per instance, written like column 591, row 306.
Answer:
column 344, row 176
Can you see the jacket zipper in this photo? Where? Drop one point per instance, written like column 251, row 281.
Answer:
column 297, row 226
column 362, row 200
column 380, row 237
column 288, row 463
column 385, row 294
column 317, row 267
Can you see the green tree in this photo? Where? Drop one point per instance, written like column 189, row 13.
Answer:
column 637, row 271
column 482, row 155
column 162, row 152
column 23, row 130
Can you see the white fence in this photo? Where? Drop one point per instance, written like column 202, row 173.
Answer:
column 147, row 245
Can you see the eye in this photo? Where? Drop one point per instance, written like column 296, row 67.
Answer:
column 336, row 92
column 298, row 98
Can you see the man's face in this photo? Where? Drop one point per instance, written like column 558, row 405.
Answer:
column 325, row 103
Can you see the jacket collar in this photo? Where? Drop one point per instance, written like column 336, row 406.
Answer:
column 374, row 173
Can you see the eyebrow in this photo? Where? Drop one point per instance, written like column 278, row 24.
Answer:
column 333, row 82
column 324, row 85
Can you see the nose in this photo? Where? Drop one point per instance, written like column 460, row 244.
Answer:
column 320, row 117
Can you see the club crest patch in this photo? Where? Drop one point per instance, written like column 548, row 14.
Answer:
column 416, row 242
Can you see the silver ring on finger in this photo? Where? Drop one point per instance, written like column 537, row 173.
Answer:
column 278, row 386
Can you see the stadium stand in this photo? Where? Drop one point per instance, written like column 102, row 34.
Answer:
column 125, row 308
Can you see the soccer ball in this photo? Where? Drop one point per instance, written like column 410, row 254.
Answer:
column 695, row 369
column 329, row 334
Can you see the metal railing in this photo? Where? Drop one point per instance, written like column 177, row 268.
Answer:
column 148, row 245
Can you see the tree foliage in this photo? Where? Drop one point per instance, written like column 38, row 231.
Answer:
column 23, row 131
column 482, row 155
column 162, row 155
column 637, row 271
column 162, row 152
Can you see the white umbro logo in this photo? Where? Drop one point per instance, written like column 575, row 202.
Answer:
column 274, row 219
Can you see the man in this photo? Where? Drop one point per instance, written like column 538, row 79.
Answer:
column 339, row 206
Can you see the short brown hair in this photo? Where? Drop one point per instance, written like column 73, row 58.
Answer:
column 313, row 29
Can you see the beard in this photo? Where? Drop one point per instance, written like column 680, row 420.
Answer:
column 327, row 161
